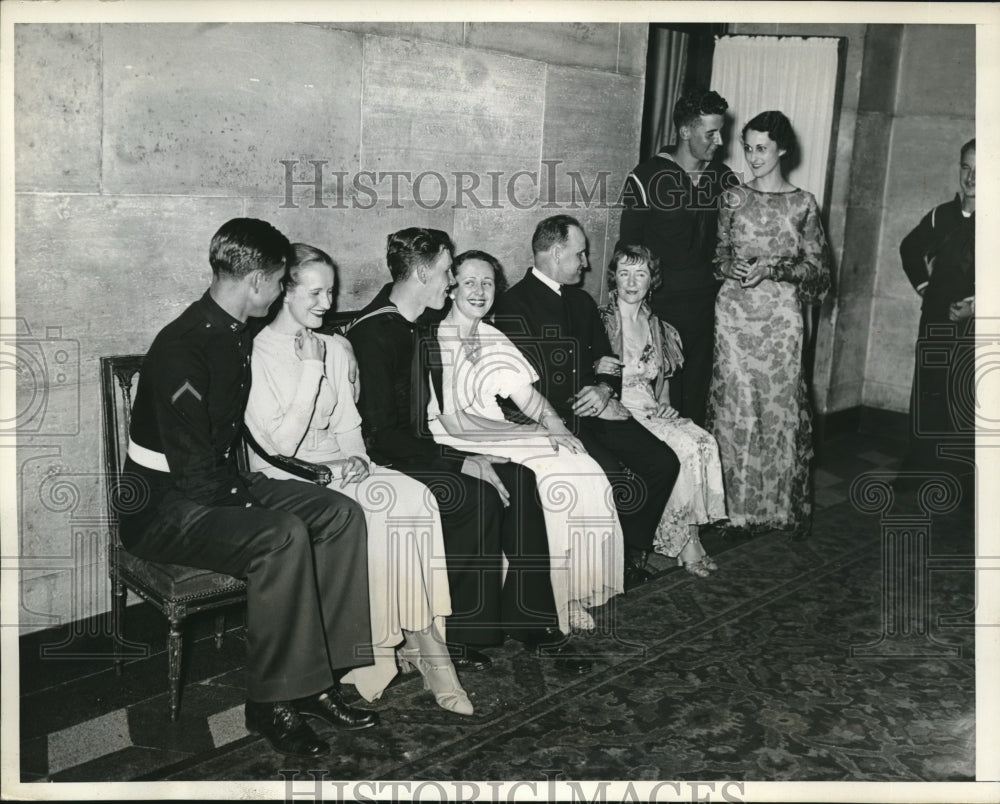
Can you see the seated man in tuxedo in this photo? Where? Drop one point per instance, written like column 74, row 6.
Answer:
column 487, row 505
column 301, row 549
column 581, row 378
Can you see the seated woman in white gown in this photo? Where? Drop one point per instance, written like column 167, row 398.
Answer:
column 302, row 404
column 479, row 363
column 650, row 350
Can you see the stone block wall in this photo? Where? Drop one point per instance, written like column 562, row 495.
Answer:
column 933, row 114
column 135, row 142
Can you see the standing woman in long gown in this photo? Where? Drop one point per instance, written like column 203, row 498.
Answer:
column 302, row 404
column 772, row 255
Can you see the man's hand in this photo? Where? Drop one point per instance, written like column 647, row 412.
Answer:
column 481, row 468
column 590, row 401
column 961, row 310
column 609, row 364
column 615, row 412
column 352, row 362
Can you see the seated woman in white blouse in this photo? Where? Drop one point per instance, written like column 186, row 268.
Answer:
column 479, row 363
column 302, row 404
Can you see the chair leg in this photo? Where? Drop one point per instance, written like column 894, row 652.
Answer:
column 174, row 645
column 220, row 630
column 119, row 595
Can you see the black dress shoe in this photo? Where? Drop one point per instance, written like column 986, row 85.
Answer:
column 283, row 727
column 331, row 707
column 635, row 568
column 635, row 576
column 539, row 637
column 550, row 644
column 566, row 659
column 466, row 658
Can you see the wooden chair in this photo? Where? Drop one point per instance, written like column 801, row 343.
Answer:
column 177, row 591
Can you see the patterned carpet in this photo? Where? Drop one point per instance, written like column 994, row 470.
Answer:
column 831, row 659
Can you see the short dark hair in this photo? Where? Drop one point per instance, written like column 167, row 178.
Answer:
column 695, row 102
column 303, row 255
column 969, row 146
column 552, row 231
column 243, row 245
column 499, row 277
column 632, row 255
column 413, row 248
column 777, row 127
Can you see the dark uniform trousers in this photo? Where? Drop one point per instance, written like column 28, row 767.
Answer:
column 693, row 315
column 642, row 471
column 301, row 551
column 477, row 527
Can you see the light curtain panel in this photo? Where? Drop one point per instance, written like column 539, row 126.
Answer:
column 797, row 76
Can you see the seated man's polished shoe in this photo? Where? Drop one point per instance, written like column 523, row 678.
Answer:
column 465, row 658
column 635, row 568
column 549, row 644
column 331, row 707
column 539, row 637
column 283, row 727
column 566, row 659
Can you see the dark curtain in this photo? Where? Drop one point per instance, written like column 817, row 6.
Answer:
column 679, row 56
column 666, row 66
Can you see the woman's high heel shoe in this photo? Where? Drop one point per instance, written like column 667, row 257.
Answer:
column 709, row 563
column 439, row 679
column 696, row 568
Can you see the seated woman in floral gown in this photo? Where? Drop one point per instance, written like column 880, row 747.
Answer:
column 302, row 404
column 650, row 352
column 479, row 363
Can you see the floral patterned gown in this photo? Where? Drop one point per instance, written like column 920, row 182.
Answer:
column 697, row 497
column 758, row 406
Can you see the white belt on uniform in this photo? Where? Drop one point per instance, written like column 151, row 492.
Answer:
column 147, row 457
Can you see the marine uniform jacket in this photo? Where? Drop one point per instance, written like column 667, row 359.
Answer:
column 189, row 406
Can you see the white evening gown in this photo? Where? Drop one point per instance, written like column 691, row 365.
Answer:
column 584, row 534
column 407, row 572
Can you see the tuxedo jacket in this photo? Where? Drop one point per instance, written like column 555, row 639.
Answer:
column 560, row 333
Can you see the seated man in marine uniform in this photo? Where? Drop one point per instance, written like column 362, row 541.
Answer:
column 301, row 549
